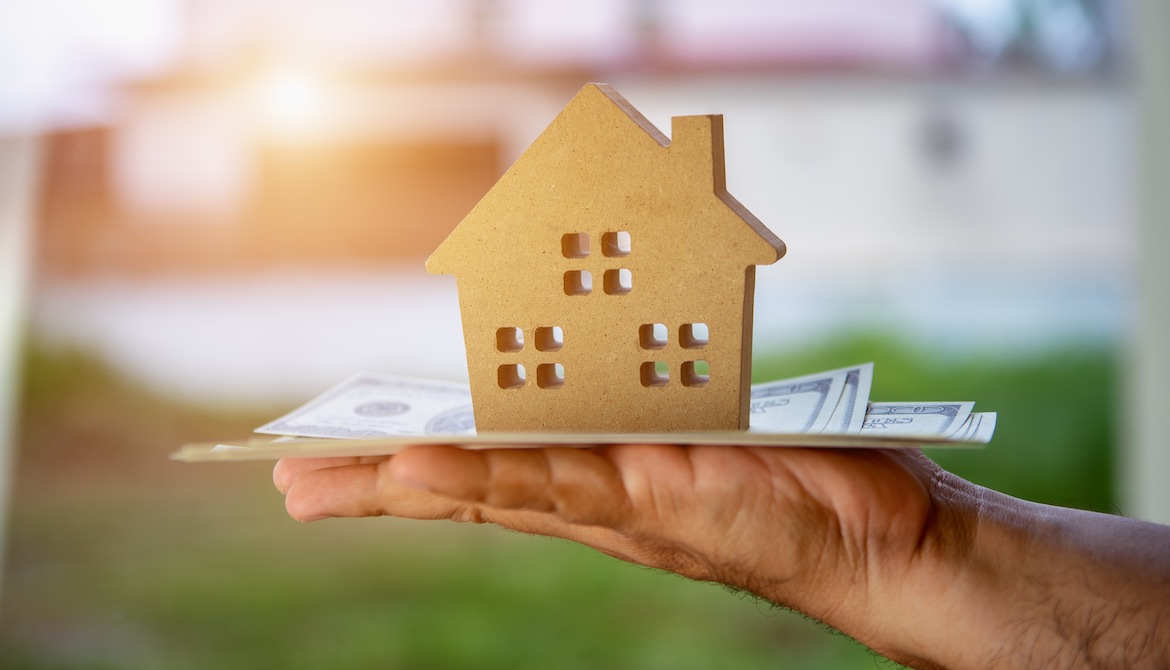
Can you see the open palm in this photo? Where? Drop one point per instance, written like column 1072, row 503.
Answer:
column 786, row 524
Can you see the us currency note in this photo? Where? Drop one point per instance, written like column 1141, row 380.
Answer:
column 934, row 419
column 798, row 405
column 370, row 406
column 978, row 427
column 849, row 415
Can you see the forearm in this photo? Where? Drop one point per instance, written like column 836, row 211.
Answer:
column 1100, row 589
column 1000, row 582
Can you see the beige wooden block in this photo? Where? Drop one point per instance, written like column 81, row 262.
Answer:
column 606, row 280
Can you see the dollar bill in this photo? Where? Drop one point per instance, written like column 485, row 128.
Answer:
column 978, row 427
column 849, row 415
column 370, row 406
column 798, row 405
column 933, row 419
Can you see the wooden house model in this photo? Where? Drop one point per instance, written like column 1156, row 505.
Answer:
column 606, row 280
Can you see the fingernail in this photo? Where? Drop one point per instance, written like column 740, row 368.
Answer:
column 315, row 517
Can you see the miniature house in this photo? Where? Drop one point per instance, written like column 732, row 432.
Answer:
column 605, row 282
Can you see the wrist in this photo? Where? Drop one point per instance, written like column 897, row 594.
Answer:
column 940, row 602
column 1001, row 582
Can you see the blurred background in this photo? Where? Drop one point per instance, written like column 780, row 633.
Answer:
column 211, row 210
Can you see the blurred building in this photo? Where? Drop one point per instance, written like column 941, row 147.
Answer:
column 249, row 213
column 354, row 133
column 181, row 186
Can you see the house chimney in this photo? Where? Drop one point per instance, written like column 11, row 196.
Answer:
column 697, row 141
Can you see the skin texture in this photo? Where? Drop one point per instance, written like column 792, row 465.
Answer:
column 881, row 544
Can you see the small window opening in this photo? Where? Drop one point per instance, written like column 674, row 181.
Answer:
column 615, row 243
column 693, row 335
column 512, row 376
column 578, row 282
column 550, row 339
column 696, row 373
column 652, row 335
column 618, row 282
column 655, row 373
column 575, row 245
column 550, row 375
column 509, row 339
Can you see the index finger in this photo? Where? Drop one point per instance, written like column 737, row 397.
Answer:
column 287, row 470
column 575, row 485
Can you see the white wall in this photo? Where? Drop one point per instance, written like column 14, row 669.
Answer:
column 839, row 169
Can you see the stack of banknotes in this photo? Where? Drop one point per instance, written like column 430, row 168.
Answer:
column 387, row 412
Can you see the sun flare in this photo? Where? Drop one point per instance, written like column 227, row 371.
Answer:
column 291, row 98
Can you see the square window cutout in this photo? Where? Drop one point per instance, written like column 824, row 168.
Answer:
column 575, row 245
column 694, row 335
column 511, row 376
column 655, row 373
column 616, row 243
column 550, row 375
column 652, row 335
column 550, row 339
column 696, row 373
column 509, row 339
column 618, row 282
column 578, row 282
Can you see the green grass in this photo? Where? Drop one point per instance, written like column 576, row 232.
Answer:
column 119, row 558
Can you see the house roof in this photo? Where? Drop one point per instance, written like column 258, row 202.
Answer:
column 601, row 147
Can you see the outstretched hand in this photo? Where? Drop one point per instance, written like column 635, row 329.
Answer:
column 918, row 564
column 822, row 531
